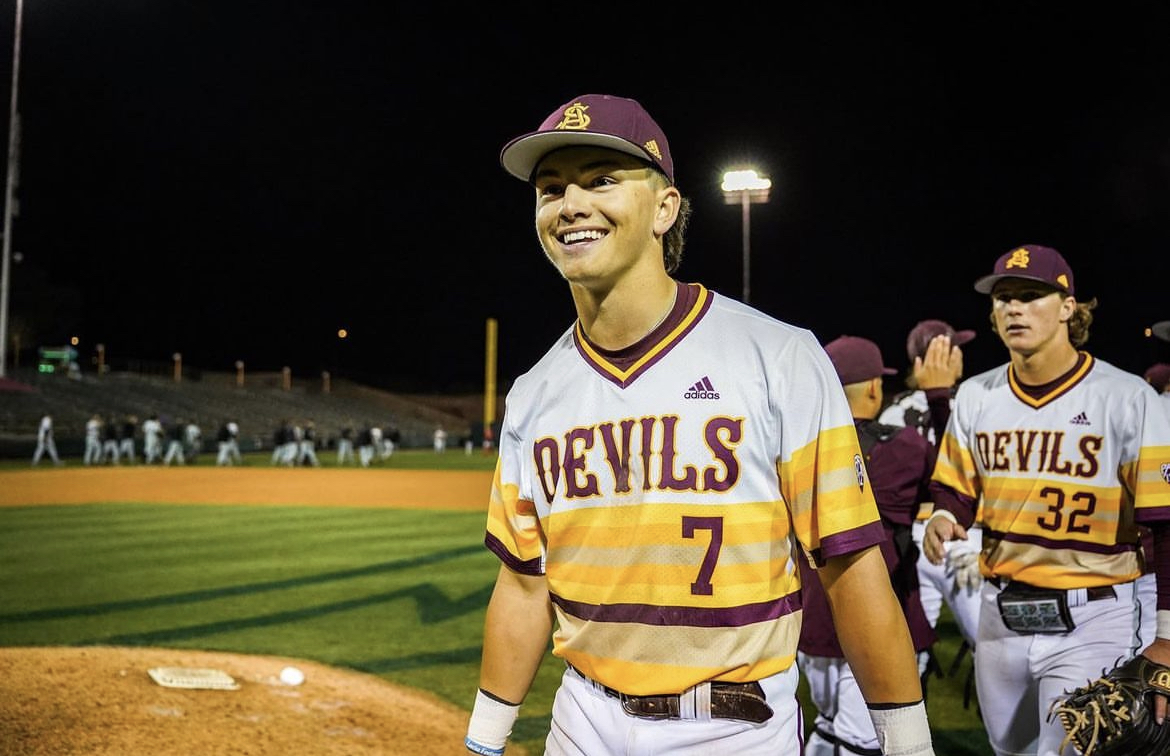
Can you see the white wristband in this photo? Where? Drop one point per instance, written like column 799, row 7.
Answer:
column 490, row 725
column 903, row 731
column 943, row 514
column 1163, row 630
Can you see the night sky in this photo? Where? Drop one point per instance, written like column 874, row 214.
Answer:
column 239, row 180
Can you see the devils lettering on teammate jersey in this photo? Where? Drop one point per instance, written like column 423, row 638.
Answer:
column 1039, row 451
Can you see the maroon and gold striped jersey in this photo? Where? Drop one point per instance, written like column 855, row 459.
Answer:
column 1065, row 474
column 667, row 490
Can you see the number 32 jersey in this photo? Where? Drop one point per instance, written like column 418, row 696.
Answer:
column 1065, row 473
column 665, row 492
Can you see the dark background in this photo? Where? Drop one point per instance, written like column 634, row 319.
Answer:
column 239, row 180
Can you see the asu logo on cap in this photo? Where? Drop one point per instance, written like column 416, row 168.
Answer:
column 575, row 118
column 1033, row 262
column 591, row 120
column 1017, row 259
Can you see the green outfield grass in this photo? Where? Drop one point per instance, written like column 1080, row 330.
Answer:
column 397, row 593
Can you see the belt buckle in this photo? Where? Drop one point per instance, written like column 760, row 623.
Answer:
column 744, row 702
column 650, row 707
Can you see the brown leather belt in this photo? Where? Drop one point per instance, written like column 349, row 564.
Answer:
column 1096, row 593
column 743, row 701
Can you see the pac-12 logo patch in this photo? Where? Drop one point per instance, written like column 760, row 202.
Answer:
column 1166, row 472
column 860, row 470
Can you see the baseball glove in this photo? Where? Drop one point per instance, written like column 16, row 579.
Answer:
column 1115, row 714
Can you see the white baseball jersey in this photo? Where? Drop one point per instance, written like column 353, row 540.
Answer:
column 1065, row 476
column 663, row 491
column 45, row 430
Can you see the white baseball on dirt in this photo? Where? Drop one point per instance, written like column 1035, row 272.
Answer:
column 292, row 676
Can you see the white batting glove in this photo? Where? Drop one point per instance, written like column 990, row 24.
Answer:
column 490, row 725
column 963, row 565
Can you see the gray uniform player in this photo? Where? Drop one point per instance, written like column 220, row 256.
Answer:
column 45, row 442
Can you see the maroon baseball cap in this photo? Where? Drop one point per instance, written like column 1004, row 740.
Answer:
column 1033, row 262
column 922, row 334
column 1158, row 375
column 592, row 120
column 856, row 359
column 1161, row 329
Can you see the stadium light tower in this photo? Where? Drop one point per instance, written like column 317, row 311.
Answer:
column 746, row 188
column 10, row 192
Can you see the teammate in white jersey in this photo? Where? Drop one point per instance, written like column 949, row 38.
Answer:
column 934, row 349
column 1070, row 455
column 662, row 468
column 45, row 442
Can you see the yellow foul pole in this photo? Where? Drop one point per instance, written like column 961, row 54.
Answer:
column 489, row 383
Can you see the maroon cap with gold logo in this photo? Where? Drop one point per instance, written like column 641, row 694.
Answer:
column 592, row 120
column 1033, row 262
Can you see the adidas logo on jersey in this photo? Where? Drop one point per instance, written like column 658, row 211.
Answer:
column 1080, row 419
column 703, row 389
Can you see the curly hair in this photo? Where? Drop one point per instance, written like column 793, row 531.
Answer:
column 675, row 238
column 1078, row 324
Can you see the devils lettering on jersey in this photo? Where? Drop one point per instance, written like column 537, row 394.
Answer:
column 571, row 465
column 1039, row 451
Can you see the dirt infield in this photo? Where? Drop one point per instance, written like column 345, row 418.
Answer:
column 100, row 701
column 451, row 489
column 103, row 702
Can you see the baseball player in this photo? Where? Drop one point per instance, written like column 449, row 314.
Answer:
column 345, row 445
column 662, row 469
column 307, row 447
column 126, row 442
column 45, row 442
column 1069, row 454
column 228, row 444
column 936, row 365
column 93, row 440
column 152, row 435
column 111, row 441
column 899, row 462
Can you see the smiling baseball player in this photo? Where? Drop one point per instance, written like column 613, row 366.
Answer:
column 662, row 468
column 1069, row 455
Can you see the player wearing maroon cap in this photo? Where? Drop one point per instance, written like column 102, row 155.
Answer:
column 898, row 461
column 1068, row 455
column 663, row 468
column 934, row 349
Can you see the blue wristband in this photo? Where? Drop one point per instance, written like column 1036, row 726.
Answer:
column 480, row 748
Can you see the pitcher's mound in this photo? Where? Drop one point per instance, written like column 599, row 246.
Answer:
column 101, row 701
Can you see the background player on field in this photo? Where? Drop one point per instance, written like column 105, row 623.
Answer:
column 1069, row 454
column 898, row 462
column 660, row 533
column 934, row 349
column 45, row 442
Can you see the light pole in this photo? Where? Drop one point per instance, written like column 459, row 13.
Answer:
column 9, row 192
column 746, row 188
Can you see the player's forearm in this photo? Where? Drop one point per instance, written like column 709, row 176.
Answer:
column 516, row 635
column 865, row 609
